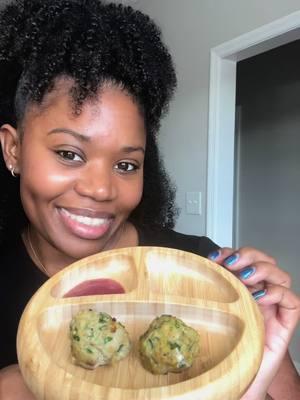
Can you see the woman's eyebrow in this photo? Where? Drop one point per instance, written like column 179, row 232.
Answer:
column 84, row 138
column 131, row 149
column 75, row 134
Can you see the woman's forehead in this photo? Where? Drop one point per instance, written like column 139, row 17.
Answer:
column 110, row 111
column 62, row 91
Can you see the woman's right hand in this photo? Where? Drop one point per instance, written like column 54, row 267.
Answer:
column 12, row 385
column 280, row 308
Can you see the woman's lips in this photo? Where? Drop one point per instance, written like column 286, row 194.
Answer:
column 85, row 227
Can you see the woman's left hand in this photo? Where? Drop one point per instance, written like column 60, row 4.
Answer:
column 280, row 307
column 12, row 385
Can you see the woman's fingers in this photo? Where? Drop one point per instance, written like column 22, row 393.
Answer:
column 219, row 256
column 287, row 303
column 263, row 271
column 246, row 256
column 236, row 259
column 251, row 266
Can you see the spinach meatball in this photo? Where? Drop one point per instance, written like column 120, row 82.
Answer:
column 97, row 339
column 169, row 345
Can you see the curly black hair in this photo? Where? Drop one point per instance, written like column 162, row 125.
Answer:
column 93, row 42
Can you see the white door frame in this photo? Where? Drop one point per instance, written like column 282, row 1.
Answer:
column 221, row 130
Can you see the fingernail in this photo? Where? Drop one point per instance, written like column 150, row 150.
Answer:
column 260, row 293
column 246, row 272
column 231, row 260
column 214, row 255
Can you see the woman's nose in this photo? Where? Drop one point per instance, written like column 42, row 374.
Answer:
column 97, row 183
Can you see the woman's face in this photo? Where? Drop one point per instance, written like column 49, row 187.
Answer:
column 82, row 175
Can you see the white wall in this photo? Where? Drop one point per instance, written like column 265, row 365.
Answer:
column 190, row 29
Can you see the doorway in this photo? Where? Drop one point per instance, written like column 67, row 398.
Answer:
column 267, row 154
column 267, row 158
column 221, row 132
column 224, row 225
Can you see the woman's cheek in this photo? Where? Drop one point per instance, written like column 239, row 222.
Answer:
column 130, row 196
column 39, row 182
column 59, row 179
column 138, row 194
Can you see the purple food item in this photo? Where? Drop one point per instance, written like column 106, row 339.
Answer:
column 94, row 287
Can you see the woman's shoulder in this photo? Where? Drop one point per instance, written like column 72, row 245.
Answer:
column 164, row 237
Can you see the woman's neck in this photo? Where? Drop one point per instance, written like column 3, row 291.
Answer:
column 50, row 260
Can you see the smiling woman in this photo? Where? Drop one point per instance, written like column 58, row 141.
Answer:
column 77, row 113
column 89, row 178
column 84, row 86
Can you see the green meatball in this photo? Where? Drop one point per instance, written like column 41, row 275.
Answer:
column 168, row 345
column 97, row 339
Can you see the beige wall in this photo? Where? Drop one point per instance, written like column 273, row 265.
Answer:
column 191, row 28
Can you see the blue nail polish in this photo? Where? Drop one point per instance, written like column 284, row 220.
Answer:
column 246, row 272
column 260, row 293
column 231, row 260
column 214, row 255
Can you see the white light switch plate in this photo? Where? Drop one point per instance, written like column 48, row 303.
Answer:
column 193, row 203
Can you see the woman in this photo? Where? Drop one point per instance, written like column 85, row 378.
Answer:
column 85, row 86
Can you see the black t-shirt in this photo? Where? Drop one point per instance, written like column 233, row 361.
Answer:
column 20, row 278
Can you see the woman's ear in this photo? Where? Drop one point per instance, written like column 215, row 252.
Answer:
column 10, row 143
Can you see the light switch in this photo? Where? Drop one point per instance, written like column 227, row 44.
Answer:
column 193, row 203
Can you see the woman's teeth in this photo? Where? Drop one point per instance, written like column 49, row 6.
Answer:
column 85, row 220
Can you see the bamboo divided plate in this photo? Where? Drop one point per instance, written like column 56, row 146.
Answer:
column 156, row 281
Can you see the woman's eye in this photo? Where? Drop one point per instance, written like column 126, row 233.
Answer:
column 126, row 166
column 69, row 155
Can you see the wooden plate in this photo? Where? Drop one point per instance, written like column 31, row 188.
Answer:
column 156, row 281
